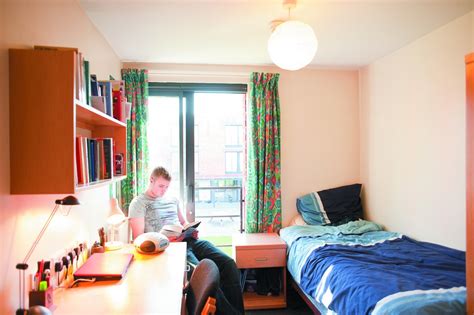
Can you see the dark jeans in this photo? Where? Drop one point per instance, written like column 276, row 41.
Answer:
column 229, row 296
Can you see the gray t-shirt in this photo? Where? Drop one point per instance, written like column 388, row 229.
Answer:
column 156, row 211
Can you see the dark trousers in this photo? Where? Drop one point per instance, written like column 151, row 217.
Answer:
column 229, row 296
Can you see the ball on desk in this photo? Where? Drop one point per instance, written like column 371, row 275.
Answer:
column 39, row 310
column 151, row 243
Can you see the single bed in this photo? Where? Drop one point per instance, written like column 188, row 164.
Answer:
column 357, row 268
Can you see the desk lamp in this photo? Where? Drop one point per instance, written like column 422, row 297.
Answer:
column 66, row 201
column 115, row 219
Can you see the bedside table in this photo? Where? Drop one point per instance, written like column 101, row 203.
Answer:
column 261, row 250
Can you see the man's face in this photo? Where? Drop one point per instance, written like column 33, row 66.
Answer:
column 159, row 186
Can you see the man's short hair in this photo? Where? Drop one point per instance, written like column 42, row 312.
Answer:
column 161, row 172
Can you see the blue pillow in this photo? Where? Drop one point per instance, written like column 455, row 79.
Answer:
column 331, row 206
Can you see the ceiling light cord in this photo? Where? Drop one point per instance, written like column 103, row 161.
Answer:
column 289, row 4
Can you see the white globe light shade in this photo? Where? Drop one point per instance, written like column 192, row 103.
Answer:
column 292, row 45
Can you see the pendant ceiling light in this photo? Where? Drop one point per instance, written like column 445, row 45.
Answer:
column 292, row 44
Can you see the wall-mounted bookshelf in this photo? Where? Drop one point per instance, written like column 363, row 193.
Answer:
column 46, row 117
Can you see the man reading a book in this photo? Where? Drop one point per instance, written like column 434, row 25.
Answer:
column 151, row 211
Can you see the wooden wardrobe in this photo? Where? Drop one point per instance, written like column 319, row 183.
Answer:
column 470, row 182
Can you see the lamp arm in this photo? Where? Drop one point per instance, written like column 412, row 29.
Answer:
column 40, row 235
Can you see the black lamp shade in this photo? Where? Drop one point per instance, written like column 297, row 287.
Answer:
column 68, row 201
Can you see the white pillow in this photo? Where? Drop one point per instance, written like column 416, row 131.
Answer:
column 297, row 220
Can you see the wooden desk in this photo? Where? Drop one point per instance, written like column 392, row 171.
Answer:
column 153, row 284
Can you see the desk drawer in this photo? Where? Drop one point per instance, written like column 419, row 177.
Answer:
column 260, row 258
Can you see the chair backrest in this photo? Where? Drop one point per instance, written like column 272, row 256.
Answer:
column 203, row 284
column 209, row 307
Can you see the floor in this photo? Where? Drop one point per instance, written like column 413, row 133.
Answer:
column 296, row 306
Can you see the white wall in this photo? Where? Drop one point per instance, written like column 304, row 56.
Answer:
column 412, row 117
column 319, row 122
column 472, row 30
column 23, row 24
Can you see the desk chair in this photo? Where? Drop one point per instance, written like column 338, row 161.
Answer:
column 202, row 288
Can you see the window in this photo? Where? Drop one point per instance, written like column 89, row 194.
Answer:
column 233, row 136
column 233, row 162
column 196, row 131
column 196, row 136
column 196, row 162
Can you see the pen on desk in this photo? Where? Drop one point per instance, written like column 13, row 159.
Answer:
column 102, row 236
column 47, row 277
column 58, row 267
column 86, row 251
column 66, row 262
column 72, row 256
column 32, row 282
column 52, row 274
column 78, row 258
column 70, row 272
column 62, row 275
column 41, row 269
column 80, row 255
column 46, row 270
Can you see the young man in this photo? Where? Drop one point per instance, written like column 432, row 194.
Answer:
column 150, row 211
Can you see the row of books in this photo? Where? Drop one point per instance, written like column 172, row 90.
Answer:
column 107, row 96
column 94, row 159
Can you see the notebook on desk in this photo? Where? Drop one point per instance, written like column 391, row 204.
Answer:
column 104, row 266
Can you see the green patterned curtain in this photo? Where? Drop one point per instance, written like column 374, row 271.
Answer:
column 136, row 91
column 263, row 197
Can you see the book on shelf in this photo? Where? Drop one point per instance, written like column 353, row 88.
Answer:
column 85, row 160
column 97, row 160
column 98, row 102
column 118, row 164
column 106, row 90
column 87, row 83
column 95, row 91
column 78, row 78
column 90, row 159
column 101, row 159
column 79, row 162
column 118, row 105
column 128, row 110
column 108, row 157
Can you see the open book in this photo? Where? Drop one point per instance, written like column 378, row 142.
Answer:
column 172, row 230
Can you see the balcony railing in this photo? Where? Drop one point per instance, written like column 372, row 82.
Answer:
column 213, row 200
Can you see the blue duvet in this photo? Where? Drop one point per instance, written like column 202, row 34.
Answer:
column 359, row 269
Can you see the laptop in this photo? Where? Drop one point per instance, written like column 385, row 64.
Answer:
column 104, row 266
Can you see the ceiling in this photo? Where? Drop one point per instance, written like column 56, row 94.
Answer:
column 351, row 33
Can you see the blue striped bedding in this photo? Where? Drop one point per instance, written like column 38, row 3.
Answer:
column 357, row 268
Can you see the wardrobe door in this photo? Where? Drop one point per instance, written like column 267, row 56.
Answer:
column 470, row 182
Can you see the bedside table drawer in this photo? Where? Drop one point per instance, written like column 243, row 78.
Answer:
column 263, row 258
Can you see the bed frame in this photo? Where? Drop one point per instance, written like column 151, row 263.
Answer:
column 470, row 182
column 303, row 295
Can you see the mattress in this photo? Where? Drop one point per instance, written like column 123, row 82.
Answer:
column 357, row 268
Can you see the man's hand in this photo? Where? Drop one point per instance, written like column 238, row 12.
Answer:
column 176, row 238
column 190, row 233
column 195, row 234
